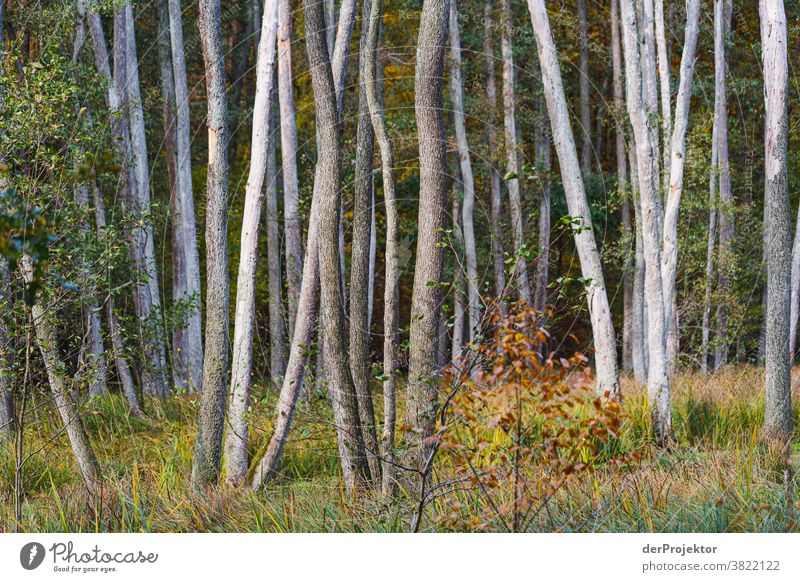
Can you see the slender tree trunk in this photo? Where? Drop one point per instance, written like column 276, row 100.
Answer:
column 583, row 71
column 193, row 358
column 211, row 417
column 710, row 251
column 591, row 266
column 543, row 167
column 426, row 294
column 665, row 91
column 245, row 312
column 6, row 386
column 725, row 190
column 778, row 410
column 640, row 73
column 638, row 328
column 293, row 227
column 512, row 177
column 48, row 341
column 468, row 207
column 494, row 173
column 677, row 156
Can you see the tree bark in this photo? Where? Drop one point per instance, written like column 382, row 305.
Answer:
column 426, row 294
column 665, row 91
column 710, row 251
column 778, row 408
column 6, row 386
column 583, row 83
column 211, row 417
column 543, row 167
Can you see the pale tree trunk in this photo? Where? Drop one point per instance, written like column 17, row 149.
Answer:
column 639, row 353
column 192, row 359
column 391, row 293
column 725, row 191
column 211, row 416
column 628, row 311
column 640, row 73
column 468, row 208
column 426, row 294
column 591, row 266
column 664, row 87
column 245, row 311
column 710, row 251
column 583, row 83
column 277, row 321
column 494, row 173
column 459, row 284
column 293, row 228
column 543, row 168
column 337, row 371
column 147, row 294
column 520, row 276
column 62, row 395
column 795, row 301
column 778, row 407
column 669, row 266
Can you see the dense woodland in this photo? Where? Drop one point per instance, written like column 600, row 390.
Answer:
column 329, row 265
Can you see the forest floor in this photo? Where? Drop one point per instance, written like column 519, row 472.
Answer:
column 717, row 478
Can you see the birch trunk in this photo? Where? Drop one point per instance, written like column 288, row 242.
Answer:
column 583, row 82
column 520, row 277
column 725, row 190
column 459, row 284
column 193, row 358
column 211, row 417
column 245, row 311
column 778, row 407
column 543, row 167
column 468, row 207
column 640, row 73
column 591, row 266
column 665, row 91
column 710, row 251
column 293, row 227
column 426, row 294
column 638, row 329
column 669, row 266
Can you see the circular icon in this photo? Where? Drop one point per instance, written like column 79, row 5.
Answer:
column 31, row 555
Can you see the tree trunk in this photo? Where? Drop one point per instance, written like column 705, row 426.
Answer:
column 520, row 277
column 468, row 207
column 710, row 251
column 725, row 190
column 459, row 284
column 638, row 329
column 583, row 72
column 6, row 386
column 664, row 86
column 211, row 417
column 640, row 73
column 192, row 360
column 293, row 227
column 677, row 160
column 778, row 408
column 591, row 266
column 426, row 294
column 543, row 168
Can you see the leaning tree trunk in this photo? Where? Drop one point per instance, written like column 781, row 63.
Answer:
column 211, row 417
column 669, row 259
column 468, row 207
column 583, row 83
column 426, row 294
column 778, row 408
column 642, row 105
column 192, row 360
column 591, row 266
column 725, row 191
column 520, row 276
column 62, row 394
column 245, row 311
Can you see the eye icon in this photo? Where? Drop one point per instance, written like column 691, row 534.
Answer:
column 31, row 555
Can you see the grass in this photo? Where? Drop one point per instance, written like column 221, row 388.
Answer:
column 717, row 478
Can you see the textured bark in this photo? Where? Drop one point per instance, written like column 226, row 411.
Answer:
column 148, row 301
column 677, row 156
column 795, row 298
column 520, row 275
column 459, row 284
column 638, row 332
column 245, row 311
column 62, row 395
column 192, row 359
column 725, row 189
column 583, row 83
column 337, row 370
column 664, row 90
column 543, row 168
column 591, row 266
column 640, row 74
column 426, row 294
column 778, row 407
column 492, row 141
column 710, row 251
column 468, row 207
column 211, row 417
column 293, row 227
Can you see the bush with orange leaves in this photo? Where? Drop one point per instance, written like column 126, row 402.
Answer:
column 517, row 425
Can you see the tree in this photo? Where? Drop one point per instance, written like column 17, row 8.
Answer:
column 777, row 220
column 211, row 417
column 583, row 82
